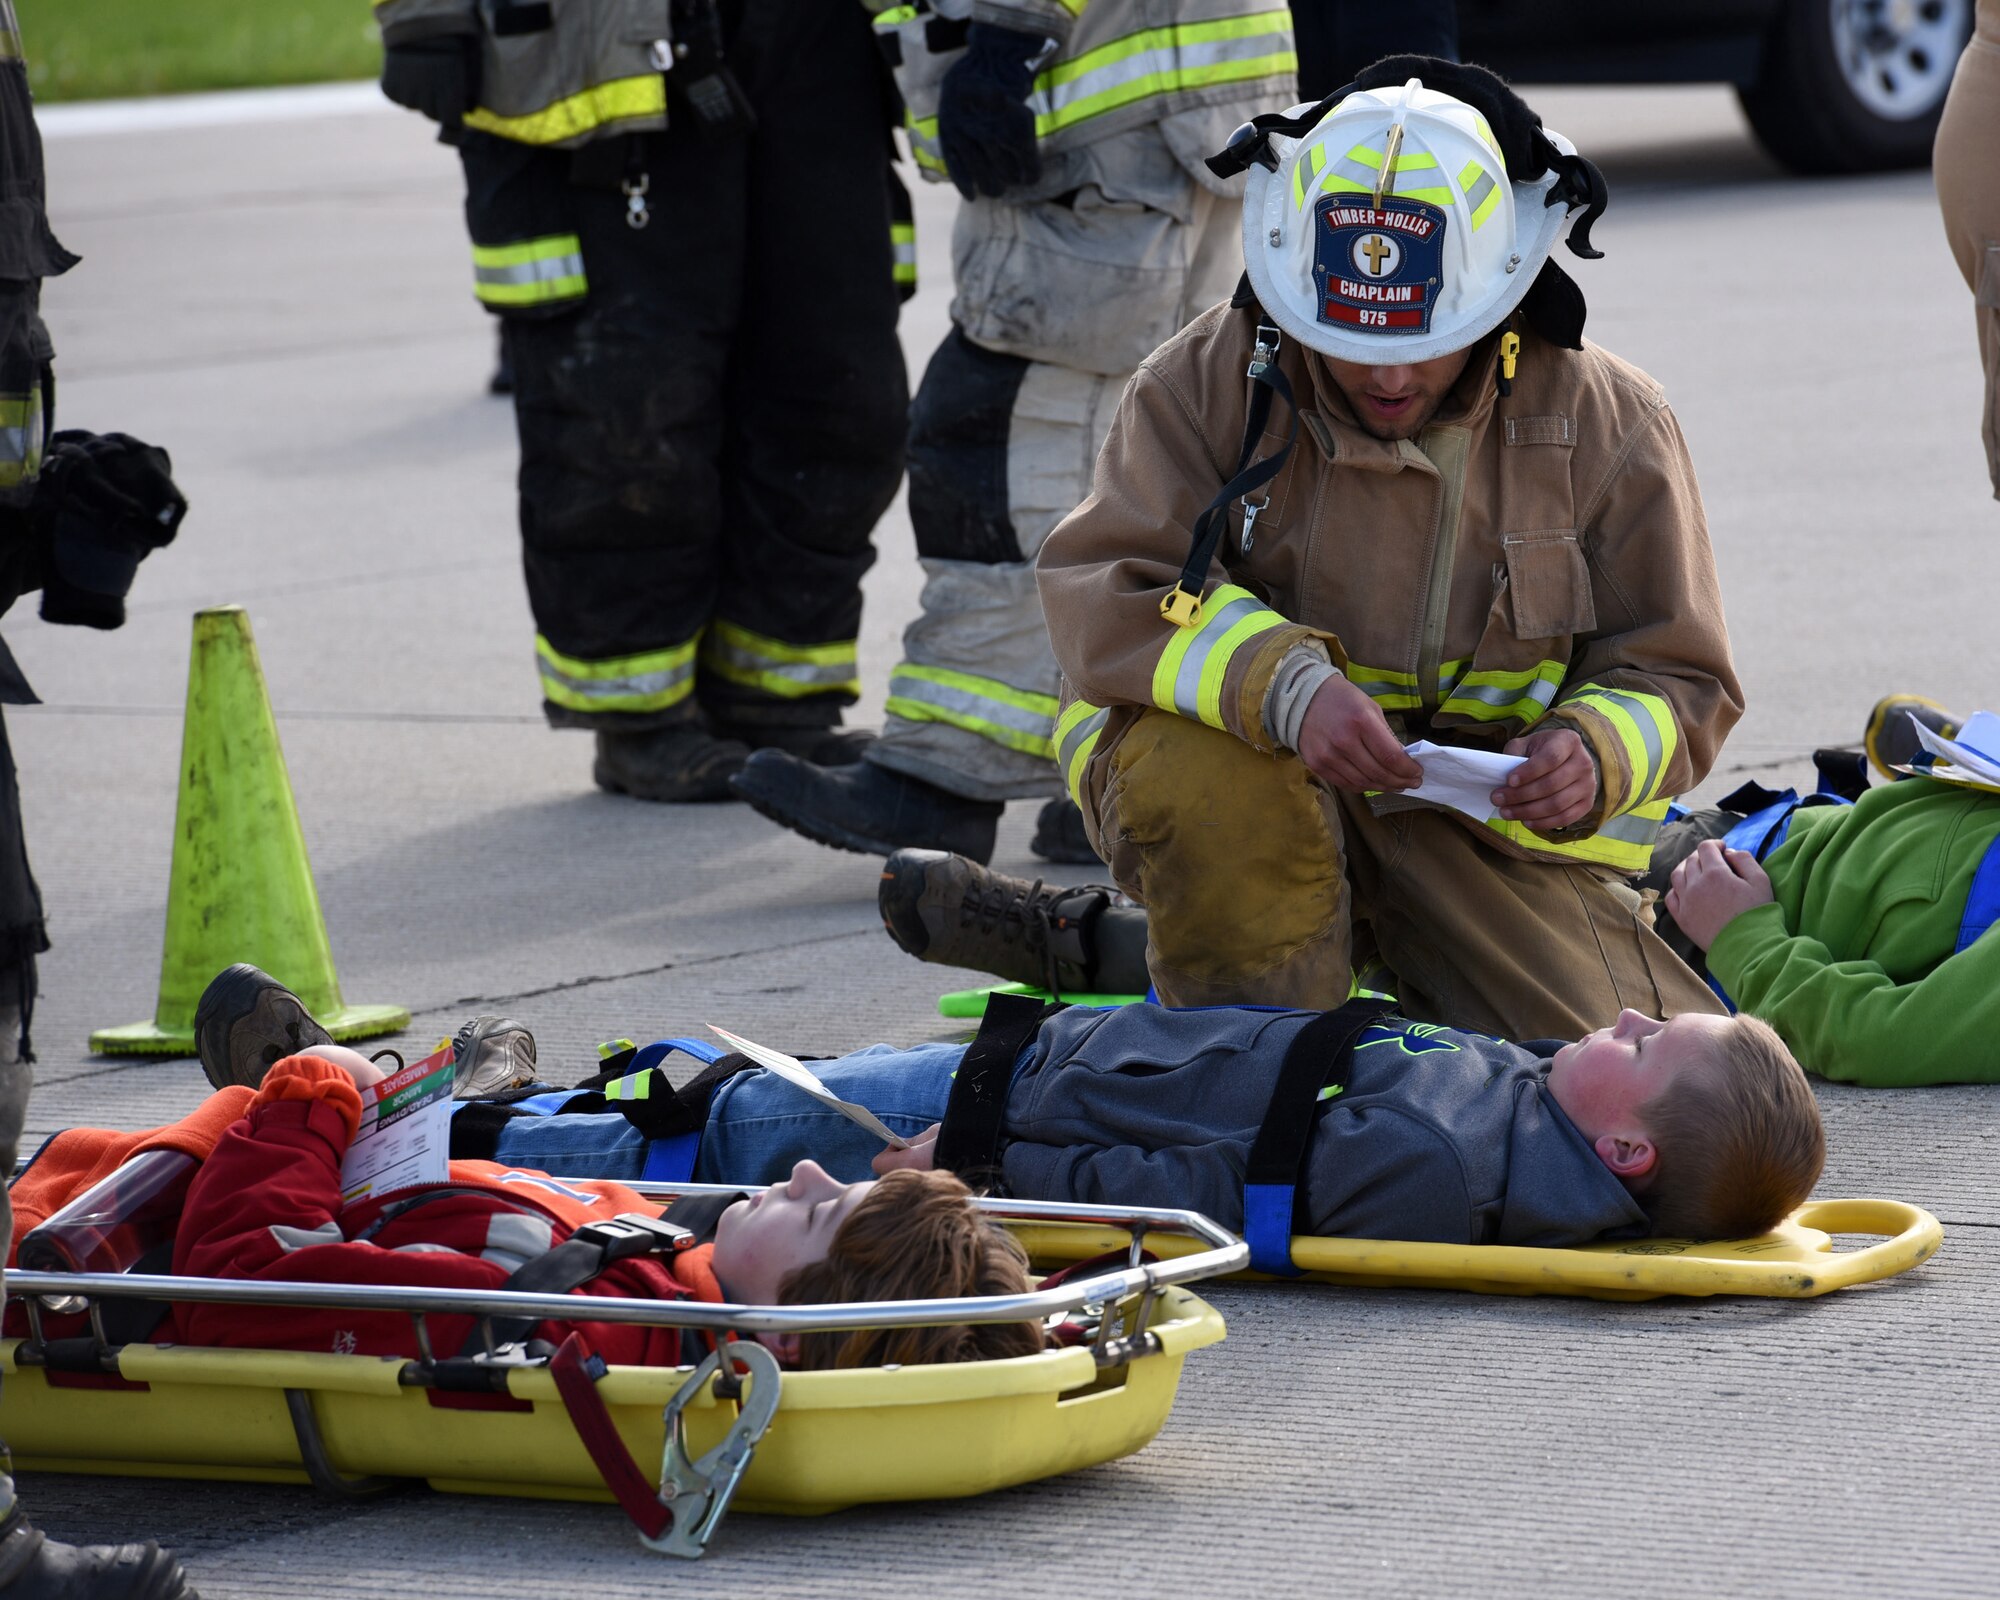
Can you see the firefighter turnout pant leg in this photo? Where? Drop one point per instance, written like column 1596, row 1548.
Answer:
column 1057, row 302
column 1967, row 138
column 712, row 406
column 1257, row 879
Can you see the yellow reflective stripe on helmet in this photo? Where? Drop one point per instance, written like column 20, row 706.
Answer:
column 1305, row 176
column 1019, row 719
column 1161, row 61
column 1077, row 730
column 651, row 681
column 532, row 272
column 789, row 671
column 1482, row 192
column 574, row 116
column 903, row 251
column 1624, row 841
column 1188, row 676
column 1490, row 695
column 1392, row 691
column 1646, row 728
column 20, row 437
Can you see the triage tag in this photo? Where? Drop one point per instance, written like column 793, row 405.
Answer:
column 1378, row 268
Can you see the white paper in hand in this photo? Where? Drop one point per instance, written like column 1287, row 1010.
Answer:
column 797, row 1073
column 1971, row 760
column 1462, row 779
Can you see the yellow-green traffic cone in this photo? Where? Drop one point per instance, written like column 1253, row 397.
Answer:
column 241, row 887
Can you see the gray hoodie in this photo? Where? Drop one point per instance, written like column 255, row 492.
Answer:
column 1440, row 1135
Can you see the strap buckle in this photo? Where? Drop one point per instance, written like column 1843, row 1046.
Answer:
column 697, row 1493
column 1180, row 608
column 633, row 1233
column 1265, row 354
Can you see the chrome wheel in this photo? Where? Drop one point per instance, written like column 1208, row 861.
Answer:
column 1897, row 56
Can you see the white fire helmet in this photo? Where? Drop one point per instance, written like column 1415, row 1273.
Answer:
column 1399, row 269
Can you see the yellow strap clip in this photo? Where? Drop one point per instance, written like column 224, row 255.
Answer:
column 1180, row 608
column 1510, row 349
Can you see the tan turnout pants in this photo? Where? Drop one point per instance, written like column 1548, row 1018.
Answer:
column 1967, row 165
column 1255, row 875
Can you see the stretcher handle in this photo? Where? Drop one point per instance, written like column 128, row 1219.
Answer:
column 1911, row 1234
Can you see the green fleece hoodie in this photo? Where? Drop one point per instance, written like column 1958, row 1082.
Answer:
column 1853, row 965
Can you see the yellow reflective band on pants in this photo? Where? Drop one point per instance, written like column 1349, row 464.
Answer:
column 903, row 251
column 1624, row 841
column 651, row 681
column 20, row 437
column 1145, row 65
column 1491, row 695
column 1188, row 677
column 788, row 671
column 1076, row 742
column 533, row 272
column 1646, row 728
column 1020, row 719
column 576, row 116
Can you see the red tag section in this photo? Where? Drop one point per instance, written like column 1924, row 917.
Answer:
column 1371, row 316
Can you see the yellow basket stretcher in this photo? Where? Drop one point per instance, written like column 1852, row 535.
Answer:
column 743, row 1434
column 1796, row 1260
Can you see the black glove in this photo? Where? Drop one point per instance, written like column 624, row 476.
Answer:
column 105, row 502
column 985, row 128
column 438, row 76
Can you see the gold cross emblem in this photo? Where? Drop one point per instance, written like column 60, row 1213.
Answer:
column 1377, row 251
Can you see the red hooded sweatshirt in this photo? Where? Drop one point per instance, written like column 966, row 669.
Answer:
column 266, row 1204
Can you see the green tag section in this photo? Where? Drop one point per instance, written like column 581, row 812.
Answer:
column 972, row 1002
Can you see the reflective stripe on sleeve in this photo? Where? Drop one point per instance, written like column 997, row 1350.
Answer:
column 651, row 681
column 20, row 437
column 532, row 272
column 1392, row 691
column 1019, row 719
column 903, row 252
column 1646, row 728
column 1077, row 730
column 576, row 116
column 1624, row 841
column 789, row 671
column 1188, row 677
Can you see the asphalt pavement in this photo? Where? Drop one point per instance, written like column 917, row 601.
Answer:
column 277, row 288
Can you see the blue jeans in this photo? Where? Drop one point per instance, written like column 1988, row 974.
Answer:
column 759, row 1126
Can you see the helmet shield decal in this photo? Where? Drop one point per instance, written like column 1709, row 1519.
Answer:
column 1378, row 269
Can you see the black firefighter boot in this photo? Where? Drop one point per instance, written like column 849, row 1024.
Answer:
column 35, row 1567
column 679, row 763
column 946, row 909
column 865, row 807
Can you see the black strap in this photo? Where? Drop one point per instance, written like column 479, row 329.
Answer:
column 1267, row 379
column 1321, row 1056
column 974, row 1117
column 578, row 1259
column 699, row 1213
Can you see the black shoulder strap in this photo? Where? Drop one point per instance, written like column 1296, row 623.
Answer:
column 578, row 1259
column 1321, row 1056
column 969, row 1142
column 1182, row 604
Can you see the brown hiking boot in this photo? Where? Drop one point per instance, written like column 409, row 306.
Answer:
column 679, row 765
column 952, row 911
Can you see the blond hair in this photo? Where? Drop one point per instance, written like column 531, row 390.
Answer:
column 1737, row 1138
column 916, row 1236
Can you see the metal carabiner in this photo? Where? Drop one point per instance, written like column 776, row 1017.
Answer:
column 637, row 213
column 697, row 1493
column 1250, row 510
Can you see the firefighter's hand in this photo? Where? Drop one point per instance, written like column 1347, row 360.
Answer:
column 985, row 129
column 919, row 1156
column 1555, row 786
column 104, row 502
column 438, row 76
column 1713, row 887
column 1345, row 741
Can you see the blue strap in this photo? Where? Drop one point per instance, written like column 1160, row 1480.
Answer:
column 547, row 1105
column 671, row 1160
column 653, row 1054
column 1982, row 905
column 1764, row 830
column 1267, row 1227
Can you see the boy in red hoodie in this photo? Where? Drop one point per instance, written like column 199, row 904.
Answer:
column 267, row 1204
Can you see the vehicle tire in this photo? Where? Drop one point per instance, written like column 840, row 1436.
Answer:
column 1856, row 85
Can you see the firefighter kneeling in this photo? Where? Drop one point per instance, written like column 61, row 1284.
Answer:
column 1471, row 527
